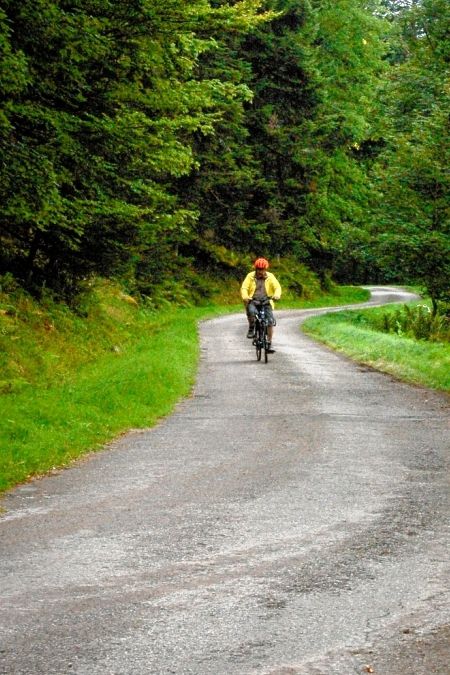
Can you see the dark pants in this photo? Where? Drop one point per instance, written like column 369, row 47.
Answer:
column 251, row 312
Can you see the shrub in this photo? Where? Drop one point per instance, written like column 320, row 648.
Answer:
column 416, row 321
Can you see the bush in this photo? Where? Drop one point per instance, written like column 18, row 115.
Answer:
column 416, row 321
column 297, row 281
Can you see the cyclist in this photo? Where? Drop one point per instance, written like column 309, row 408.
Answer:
column 258, row 285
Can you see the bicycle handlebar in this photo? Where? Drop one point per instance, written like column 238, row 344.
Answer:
column 262, row 301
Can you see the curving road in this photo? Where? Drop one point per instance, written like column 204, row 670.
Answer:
column 289, row 518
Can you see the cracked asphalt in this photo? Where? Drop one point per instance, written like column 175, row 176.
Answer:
column 288, row 518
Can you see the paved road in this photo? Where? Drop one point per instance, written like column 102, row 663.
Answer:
column 289, row 518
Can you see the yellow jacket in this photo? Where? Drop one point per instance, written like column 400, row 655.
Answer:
column 271, row 284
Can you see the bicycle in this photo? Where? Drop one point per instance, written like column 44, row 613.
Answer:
column 261, row 339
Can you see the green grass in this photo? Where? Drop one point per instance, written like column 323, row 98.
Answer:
column 48, row 426
column 415, row 361
column 72, row 383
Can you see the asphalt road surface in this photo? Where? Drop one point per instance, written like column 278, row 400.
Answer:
column 288, row 518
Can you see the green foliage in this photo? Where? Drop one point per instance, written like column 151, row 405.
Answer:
column 416, row 321
column 411, row 235
column 97, row 127
column 284, row 80
column 348, row 54
column 159, row 135
column 419, row 256
column 280, row 175
column 297, row 280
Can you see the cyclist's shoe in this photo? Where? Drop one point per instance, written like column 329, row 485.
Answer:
column 251, row 333
column 269, row 349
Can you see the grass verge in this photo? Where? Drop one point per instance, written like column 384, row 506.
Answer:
column 415, row 361
column 47, row 427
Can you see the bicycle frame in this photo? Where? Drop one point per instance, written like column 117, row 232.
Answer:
column 261, row 339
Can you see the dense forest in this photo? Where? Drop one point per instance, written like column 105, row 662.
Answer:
column 159, row 140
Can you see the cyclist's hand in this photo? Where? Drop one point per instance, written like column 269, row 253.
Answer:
column 275, row 297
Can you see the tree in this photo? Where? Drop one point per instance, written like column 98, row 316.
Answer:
column 93, row 132
column 412, row 223
column 349, row 51
column 315, row 68
column 222, row 181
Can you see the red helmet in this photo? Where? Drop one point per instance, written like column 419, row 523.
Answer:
column 261, row 264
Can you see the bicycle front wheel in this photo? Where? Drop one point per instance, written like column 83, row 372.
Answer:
column 258, row 350
column 266, row 345
column 259, row 341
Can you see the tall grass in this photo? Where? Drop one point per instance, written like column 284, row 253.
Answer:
column 415, row 320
